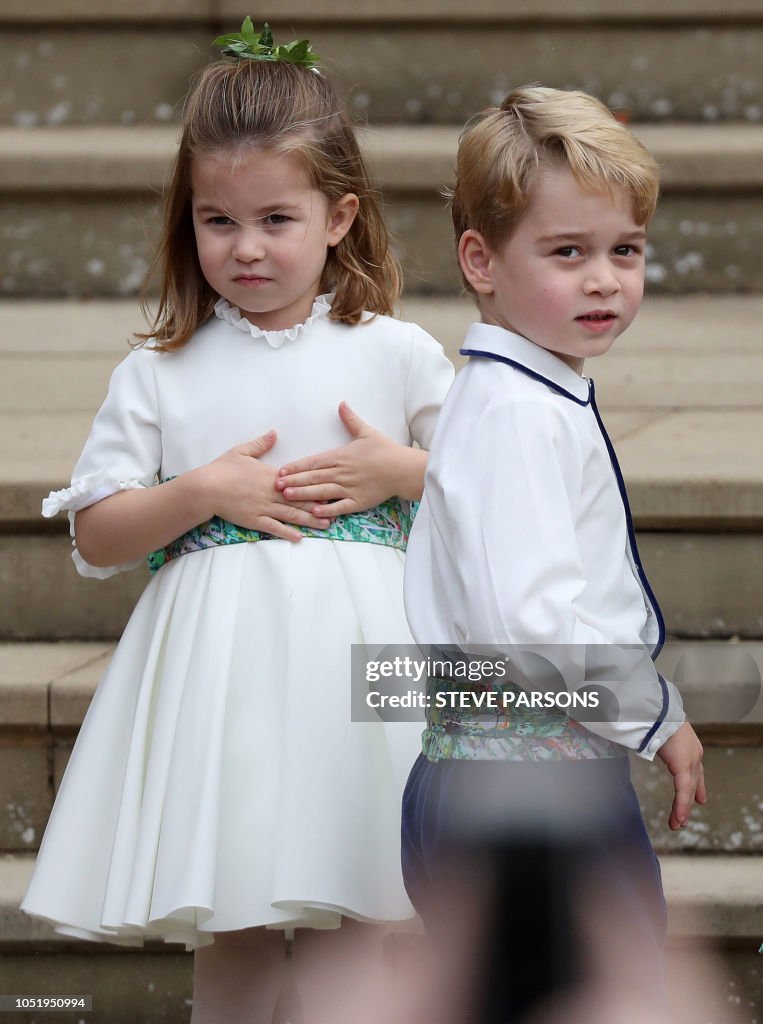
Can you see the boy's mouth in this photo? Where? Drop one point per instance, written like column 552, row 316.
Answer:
column 598, row 320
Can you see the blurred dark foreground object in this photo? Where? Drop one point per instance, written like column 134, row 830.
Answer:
column 519, row 869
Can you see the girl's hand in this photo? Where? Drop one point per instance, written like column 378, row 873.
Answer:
column 682, row 754
column 357, row 476
column 242, row 489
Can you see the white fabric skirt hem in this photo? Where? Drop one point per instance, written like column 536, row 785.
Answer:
column 295, row 915
column 218, row 781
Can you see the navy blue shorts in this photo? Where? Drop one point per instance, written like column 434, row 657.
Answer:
column 596, row 812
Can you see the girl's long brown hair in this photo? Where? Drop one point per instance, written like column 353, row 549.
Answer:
column 282, row 108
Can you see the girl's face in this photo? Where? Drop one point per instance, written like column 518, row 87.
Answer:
column 263, row 233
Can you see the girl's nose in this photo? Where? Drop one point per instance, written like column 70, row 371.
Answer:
column 247, row 245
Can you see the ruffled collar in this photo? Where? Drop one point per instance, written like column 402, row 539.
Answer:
column 275, row 339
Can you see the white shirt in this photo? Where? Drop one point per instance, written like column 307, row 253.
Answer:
column 524, row 536
column 167, row 413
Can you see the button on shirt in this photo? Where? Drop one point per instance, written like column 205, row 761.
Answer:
column 524, row 540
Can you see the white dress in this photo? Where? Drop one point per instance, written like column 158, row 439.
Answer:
column 218, row 781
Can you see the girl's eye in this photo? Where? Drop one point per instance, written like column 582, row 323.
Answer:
column 569, row 252
column 275, row 218
column 221, row 220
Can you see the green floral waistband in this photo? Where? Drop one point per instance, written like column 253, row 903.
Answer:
column 509, row 733
column 387, row 524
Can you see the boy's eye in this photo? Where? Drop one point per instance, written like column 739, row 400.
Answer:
column 568, row 251
column 627, row 250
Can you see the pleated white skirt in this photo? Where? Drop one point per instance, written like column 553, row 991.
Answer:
column 218, row 781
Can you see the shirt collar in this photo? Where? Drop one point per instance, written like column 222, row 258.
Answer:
column 505, row 346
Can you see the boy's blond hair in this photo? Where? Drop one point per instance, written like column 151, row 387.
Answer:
column 502, row 148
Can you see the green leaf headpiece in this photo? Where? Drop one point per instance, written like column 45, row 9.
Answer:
column 250, row 45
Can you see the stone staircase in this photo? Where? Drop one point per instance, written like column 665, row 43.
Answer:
column 89, row 103
column 80, row 192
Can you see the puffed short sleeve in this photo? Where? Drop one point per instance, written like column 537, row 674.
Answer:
column 430, row 375
column 123, row 450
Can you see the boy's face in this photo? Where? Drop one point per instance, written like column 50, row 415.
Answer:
column 570, row 278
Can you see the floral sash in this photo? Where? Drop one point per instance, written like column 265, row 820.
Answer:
column 388, row 524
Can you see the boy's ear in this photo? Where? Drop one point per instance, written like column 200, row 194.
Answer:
column 343, row 213
column 475, row 257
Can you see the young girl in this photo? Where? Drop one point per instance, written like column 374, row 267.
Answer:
column 218, row 784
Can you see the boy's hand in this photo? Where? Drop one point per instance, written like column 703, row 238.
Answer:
column 242, row 490
column 357, row 476
column 682, row 755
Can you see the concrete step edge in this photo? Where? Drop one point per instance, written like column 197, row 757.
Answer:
column 685, row 325
column 109, row 158
column 229, row 11
column 680, row 507
column 18, row 929
column 717, row 897
column 48, row 685
column 662, row 389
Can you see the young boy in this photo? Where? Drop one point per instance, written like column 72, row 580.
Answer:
column 524, row 540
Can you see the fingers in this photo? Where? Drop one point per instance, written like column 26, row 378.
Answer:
column 682, row 754
column 272, row 526
column 313, row 469
column 689, row 785
column 307, row 478
column 308, row 506
column 345, row 507
column 259, row 445
column 701, row 794
column 284, row 519
column 679, row 809
column 285, row 513
column 318, row 492
column 356, row 426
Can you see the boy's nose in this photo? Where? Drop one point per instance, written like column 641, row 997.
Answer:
column 601, row 278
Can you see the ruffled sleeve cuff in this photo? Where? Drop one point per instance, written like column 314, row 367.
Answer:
column 99, row 572
column 85, row 492
column 82, row 494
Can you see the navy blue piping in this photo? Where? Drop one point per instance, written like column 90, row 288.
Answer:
column 661, row 716
column 626, row 508
column 629, row 523
column 529, row 373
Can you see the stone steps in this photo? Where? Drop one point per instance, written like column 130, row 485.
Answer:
column 712, row 901
column 429, row 62
column 150, row 985
column 45, row 689
column 85, row 144
column 664, row 389
column 80, row 205
column 64, row 12
column 710, row 585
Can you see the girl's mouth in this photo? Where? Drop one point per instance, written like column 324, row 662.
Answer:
column 251, row 281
